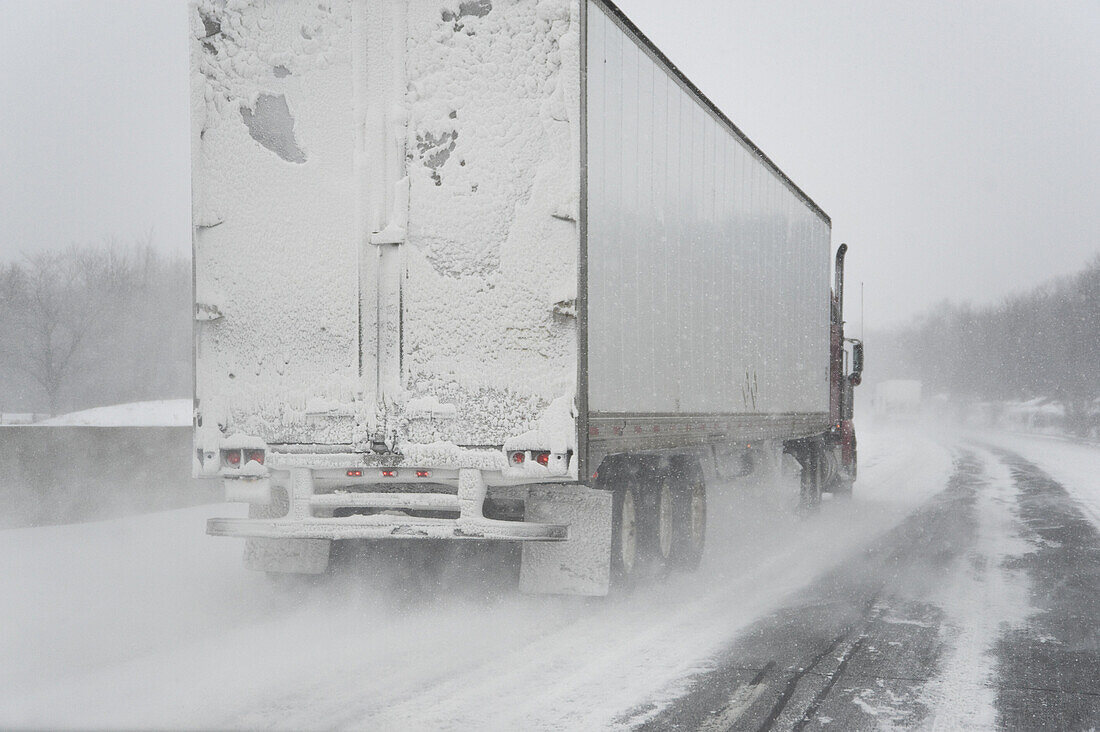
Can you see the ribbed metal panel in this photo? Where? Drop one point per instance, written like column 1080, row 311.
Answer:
column 707, row 269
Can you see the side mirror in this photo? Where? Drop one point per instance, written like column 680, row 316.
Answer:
column 857, row 358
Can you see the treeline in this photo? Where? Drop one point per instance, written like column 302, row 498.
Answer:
column 94, row 325
column 1045, row 343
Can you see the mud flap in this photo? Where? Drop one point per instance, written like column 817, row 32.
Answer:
column 292, row 556
column 289, row 556
column 581, row 565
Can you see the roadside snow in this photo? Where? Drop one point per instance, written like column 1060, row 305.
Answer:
column 164, row 413
column 1075, row 465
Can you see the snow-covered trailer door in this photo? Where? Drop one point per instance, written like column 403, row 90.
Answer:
column 707, row 269
column 489, row 335
column 275, row 214
column 385, row 208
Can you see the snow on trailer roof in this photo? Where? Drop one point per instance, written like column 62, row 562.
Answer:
column 620, row 17
column 163, row 413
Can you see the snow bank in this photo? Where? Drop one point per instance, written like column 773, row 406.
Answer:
column 163, row 413
column 1075, row 465
column 7, row 418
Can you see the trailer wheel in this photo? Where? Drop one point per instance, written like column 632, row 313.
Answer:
column 664, row 520
column 690, row 533
column 656, row 516
column 624, row 535
column 843, row 486
column 813, row 468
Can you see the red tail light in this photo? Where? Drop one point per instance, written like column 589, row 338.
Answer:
column 257, row 455
column 355, row 473
column 517, row 458
column 423, row 474
column 389, row 473
column 543, row 458
column 232, row 457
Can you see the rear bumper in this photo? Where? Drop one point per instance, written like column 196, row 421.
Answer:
column 386, row 526
column 309, row 514
column 565, row 532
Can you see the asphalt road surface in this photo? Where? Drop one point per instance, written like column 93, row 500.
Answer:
column 860, row 647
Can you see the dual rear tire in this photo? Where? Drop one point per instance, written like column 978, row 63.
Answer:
column 690, row 533
column 658, row 519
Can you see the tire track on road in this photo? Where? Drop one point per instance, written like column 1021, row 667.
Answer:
column 1048, row 668
column 853, row 610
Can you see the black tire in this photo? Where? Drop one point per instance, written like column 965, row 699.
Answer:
column 625, row 555
column 656, row 519
column 690, row 512
column 809, row 496
column 841, row 484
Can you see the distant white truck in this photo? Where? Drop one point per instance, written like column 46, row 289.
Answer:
column 494, row 270
column 897, row 400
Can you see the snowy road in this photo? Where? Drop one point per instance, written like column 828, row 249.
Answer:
column 959, row 589
column 980, row 611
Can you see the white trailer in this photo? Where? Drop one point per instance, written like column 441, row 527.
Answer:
column 489, row 269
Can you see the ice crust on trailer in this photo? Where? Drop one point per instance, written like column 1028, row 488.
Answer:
column 555, row 430
column 272, row 360
column 493, row 191
column 488, row 126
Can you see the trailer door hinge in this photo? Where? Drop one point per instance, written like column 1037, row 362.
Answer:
column 389, row 235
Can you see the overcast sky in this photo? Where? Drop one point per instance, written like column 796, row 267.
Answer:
column 956, row 145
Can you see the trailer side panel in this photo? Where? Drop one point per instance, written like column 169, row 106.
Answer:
column 707, row 269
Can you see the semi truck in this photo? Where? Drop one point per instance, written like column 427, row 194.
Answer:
column 494, row 270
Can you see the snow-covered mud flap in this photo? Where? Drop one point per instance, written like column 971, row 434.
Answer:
column 290, row 556
column 284, row 556
column 581, row 565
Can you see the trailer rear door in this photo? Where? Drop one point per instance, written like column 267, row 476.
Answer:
column 489, row 333
column 385, row 220
column 276, row 264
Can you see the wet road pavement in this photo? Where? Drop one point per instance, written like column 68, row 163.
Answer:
column 981, row 610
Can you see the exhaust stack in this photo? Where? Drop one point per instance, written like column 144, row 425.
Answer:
column 838, row 286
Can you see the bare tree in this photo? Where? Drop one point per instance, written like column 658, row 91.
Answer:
column 50, row 311
column 1042, row 344
column 94, row 325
